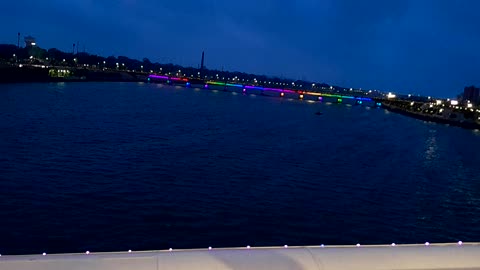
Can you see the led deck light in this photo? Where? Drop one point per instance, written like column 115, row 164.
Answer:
column 158, row 77
column 253, row 87
column 216, row 83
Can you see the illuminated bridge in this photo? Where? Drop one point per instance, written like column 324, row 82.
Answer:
column 461, row 256
column 282, row 92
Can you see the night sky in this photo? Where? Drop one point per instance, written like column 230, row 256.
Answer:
column 426, row 47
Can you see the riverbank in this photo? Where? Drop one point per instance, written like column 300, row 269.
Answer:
column 25, row 74
column 442, row 116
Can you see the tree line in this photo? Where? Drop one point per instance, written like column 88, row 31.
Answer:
column 55, row 57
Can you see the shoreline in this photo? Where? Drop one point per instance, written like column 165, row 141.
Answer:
column 30, row 74
column 432, row 118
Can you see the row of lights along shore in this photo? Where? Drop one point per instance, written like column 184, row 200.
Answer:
column 249, row 247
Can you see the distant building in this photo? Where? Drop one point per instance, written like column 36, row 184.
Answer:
column 472, row 94
column 30, row 41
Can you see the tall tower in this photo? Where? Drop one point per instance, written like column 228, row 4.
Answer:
column 18, row 40
column 203, row 59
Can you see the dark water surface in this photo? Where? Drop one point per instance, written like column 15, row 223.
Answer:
column 118, row 166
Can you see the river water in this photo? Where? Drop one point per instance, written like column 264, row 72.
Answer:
column 118, row 166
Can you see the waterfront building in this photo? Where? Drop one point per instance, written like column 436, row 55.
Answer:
column 472, row 94
column 30, row 41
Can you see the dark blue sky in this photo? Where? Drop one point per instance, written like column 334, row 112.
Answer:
column 429, row 47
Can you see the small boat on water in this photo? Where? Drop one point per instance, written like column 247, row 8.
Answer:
column 318, row 113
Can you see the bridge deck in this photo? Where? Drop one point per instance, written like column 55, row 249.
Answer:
column 439, row 256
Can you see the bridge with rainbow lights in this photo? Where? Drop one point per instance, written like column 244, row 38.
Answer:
column 282, row 92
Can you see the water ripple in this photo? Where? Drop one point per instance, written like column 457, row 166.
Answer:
column 117, row 166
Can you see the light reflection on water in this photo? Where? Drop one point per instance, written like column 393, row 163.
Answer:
column 431, row 145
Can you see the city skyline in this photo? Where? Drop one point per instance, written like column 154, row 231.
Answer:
column 421, row 47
